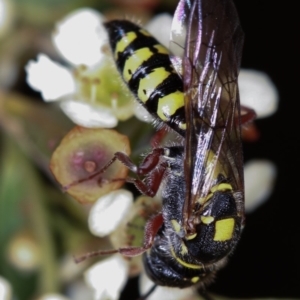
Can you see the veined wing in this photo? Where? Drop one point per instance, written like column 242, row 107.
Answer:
column 210, row 53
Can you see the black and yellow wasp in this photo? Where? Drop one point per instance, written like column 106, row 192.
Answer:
column 193, row 92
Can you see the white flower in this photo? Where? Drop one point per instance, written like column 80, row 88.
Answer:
column 160, row 27
column 50, row 78
column 109, row 211
column 79, row 290
column 260, row 176
column 165, row 293
column 53, row 297
column 107, row 277
column 81, row 113
column 88, row 96
column 5, row 289
column 257, row 91
column 80, row 36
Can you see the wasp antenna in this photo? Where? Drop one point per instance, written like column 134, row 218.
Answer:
column 66, row 187
column 94, row 254
column 101, row 171
column 205, row 295
column 151, row 290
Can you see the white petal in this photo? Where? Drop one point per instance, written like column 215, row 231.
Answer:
column 107, row 277
column 53, row 297
column 160, row 27
column 87, row 115
column 260, row 176
column 5, row 289
column 49, row 78
column 109, row 210
column 165, row 293
column 78, row 290
column 257, row 91
column 80, row 36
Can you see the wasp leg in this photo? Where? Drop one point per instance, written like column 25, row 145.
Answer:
column 146, row 189
column 147, row 167
column 153, row 179
column 150, row 162
column 205, row 295
column 159, row 136
column 151, row 290
column 151, row 229
column 247, row 115
column 249, row 131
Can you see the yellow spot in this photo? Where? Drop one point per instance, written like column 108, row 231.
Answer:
column 213, row 166
column 207, row 220
column 145, row 32
column 183, row 263
column 134, row 61
column 190, row 237
column 182, row 126
column 150, row 82
column 176, row 225
column 195, row 279
column 224, row 230
column 168, row 105
column 161, row 49
column 124, row 42
column 221, row 187
column 202, row 200
column 218, row 187
column 184, row 249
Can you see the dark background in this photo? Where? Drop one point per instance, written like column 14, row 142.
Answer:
column 266, row 262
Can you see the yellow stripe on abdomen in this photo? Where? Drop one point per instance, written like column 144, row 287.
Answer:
column 149, row 83
column 125, row 41
column 169, row 104
column 135, row 61
column 146, row 67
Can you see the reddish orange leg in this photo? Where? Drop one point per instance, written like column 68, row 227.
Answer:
column 147, row 167
column 151, row 229
column 150, row 166
column 247, row 115
column 249, row 131
column 158, row 137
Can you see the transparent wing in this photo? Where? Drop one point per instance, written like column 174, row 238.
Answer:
column 206, row 34
column 178, row 35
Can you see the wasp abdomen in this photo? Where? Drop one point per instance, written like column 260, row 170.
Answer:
column 146, row 68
